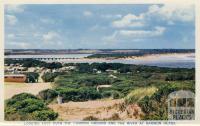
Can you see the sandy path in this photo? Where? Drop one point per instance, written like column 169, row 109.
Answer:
column 80, row 110
column 12, row 88
column 101, row 109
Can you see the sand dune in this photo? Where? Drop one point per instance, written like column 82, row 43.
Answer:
column 100, row 109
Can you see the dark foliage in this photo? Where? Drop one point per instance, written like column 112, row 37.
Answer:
column 27, row 107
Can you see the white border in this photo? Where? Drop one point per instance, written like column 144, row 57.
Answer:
column 197, row 35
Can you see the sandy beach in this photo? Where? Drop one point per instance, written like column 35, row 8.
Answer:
column 159, row 56
column 152, row 57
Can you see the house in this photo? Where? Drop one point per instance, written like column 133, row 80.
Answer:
column 54, row 70
column 98, row 72
column 70, row 67
column 15, row 78
column 32, row 69
column 111, row 71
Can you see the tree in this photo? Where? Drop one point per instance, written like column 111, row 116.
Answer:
column 49, row 77
column 53, row 65
column 48, row 94
column 32, row 77
column 47, row 115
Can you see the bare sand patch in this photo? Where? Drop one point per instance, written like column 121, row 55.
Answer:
column 164, row 56
column 12, row 88
column 100, row 109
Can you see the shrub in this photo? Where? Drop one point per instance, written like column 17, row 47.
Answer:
column 53, row 65
column 47, row 115
column 106, row 94
column 49, row 77
column 81, row 94
column 180, row 76
column 155, row 106
column 48, row 94
column 22, row 96
column 116, row 94
column 27, row 107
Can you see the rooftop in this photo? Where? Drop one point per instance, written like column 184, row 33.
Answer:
column 18, row 75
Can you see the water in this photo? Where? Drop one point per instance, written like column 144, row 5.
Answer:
column 172, row 61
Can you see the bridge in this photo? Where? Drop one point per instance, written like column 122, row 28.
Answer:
column 42, row 59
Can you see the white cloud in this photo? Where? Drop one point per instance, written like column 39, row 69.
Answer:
column 111, row 16
column 130, row 20
column 135, row 34
column 87, row 13
column 157, row 31
column 172, row 12
column 50, row 36
column 14, row 8
column 11, row 19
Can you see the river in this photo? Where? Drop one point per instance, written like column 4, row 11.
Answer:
column 161, row 60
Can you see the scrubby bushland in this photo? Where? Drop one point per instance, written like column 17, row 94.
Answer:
column 155, row 106
column 50, row 77
column 48, row 95
column 180, row 76
column 34, row 63
column 80, row 94
column 26, row 106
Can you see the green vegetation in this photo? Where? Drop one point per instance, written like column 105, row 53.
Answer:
column 47, row 95
column 34, row 63
column 137, row 94
column 80, row 94
column 49, row 77
column 133, row 82
column 155, row 106
column 27, row 107
column 180, row 76
column 32, row 77
column 146, row 86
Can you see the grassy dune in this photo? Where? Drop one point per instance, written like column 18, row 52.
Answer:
column 139, row 93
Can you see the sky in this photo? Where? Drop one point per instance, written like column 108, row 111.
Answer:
column 122, row 26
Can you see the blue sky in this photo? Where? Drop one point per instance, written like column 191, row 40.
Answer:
column 142, row 26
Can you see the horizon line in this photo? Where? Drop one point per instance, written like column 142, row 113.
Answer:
column 98, row 49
